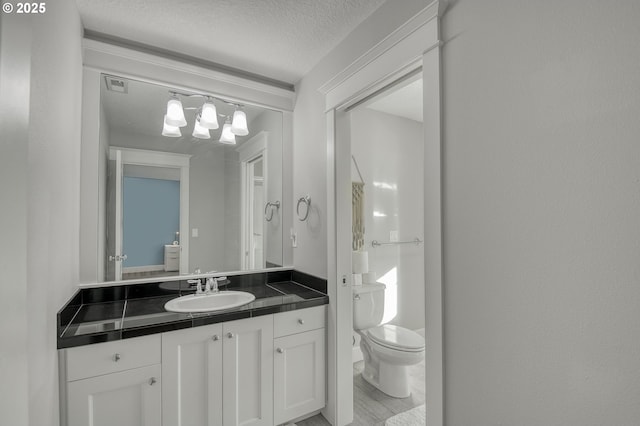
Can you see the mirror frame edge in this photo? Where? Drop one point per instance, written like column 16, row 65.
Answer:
column 99, row 58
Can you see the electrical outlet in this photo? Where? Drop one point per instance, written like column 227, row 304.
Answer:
column 393, row 236
column 194, row 232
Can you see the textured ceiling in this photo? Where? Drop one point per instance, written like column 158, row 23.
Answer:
column 278, row 39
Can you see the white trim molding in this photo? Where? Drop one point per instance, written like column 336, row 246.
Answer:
column 130, row 63
column 143, row 157
column 413, row 46
column 249, row 151
column 397, row 54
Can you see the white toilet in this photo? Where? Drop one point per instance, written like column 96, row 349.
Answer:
column 387, row 349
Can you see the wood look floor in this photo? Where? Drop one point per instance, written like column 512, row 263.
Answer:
column 372, row 407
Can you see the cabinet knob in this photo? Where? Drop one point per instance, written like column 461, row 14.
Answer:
column 300, row 321
column 152, row 381
column 230, row 335
column 116, row 358
column 215, row 338
column 280, row 350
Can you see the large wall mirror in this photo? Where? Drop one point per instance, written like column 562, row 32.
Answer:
column 184, row 200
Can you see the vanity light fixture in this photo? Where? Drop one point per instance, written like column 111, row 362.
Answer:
column 227, row 136
column 175, row 113
column 206, row 119
column 199, row 131
column 169, row 130
column 209, row 116
column 239, row 124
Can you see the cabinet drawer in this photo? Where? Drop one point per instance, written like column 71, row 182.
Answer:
column 298, row 321
column 110, row 357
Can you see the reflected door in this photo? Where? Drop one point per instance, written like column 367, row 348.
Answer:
column 114, row 255
column 255, row 202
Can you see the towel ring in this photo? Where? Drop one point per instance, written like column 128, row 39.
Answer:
column 306, row 200
column 275, row 204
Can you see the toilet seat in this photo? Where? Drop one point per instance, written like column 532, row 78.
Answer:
column 397, row 338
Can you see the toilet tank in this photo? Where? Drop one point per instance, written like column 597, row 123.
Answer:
column 368, row 305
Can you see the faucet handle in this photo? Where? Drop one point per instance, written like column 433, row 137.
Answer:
column 198, row 284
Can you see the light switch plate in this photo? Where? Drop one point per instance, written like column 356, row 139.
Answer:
column 194, row 232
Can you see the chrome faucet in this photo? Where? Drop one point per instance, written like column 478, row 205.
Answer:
column 211, row 286
column 198, row 284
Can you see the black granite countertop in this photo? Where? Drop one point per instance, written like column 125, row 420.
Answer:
column 102, row 314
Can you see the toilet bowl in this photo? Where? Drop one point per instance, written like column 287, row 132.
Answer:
column 388, row 350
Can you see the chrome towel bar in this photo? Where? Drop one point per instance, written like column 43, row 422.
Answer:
column 376, row 243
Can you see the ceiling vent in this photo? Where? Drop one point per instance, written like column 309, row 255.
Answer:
column 115, row 84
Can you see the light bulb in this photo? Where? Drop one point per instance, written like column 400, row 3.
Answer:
column 227, row 137
column 209, row 116
column 239, row 125
column 169, row 130
column 175, row 113
column 199, row 131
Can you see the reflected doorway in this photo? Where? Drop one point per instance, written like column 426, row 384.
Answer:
column 147, row 202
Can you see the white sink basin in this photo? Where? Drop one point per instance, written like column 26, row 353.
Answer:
column 210, row 302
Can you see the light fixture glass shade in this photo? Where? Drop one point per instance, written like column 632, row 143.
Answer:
column 169, row 130
column 199, row 131
column 209, row 117
column 175, row 113
column 227, row 136
column 239, row 125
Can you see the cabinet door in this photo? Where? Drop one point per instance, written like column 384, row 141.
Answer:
column 248, row 372
column 127, row 398
column 299, row 375
column 192, row 377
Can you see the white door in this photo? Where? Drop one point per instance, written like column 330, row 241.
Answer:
column 254, row 196
column 248, row 372
column 192, row 377
column 299, row 375
column 257, row 220
column 128, row 398
column 114, row 255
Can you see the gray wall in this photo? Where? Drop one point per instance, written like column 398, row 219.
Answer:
column 271, row 122
column 207, row 184
column 389, row 151
column 54, row 194
column 15, row 66
column 541, row 212
column 309, row 129
column 41, row 201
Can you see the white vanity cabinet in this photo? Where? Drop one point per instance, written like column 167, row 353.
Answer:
column 192, row 382
column 171, row 258
column 299, row 363
column 260, row 371
column 112, row 383
column 221, row 374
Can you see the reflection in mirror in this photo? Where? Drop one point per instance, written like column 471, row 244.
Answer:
column 176, row 202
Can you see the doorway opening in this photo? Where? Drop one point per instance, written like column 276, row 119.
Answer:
column 254, row 192
column 147, row 214
column 387, row 149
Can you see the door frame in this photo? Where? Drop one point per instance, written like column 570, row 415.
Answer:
column 416, row 44
column 142, row 157
column 249, row 151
